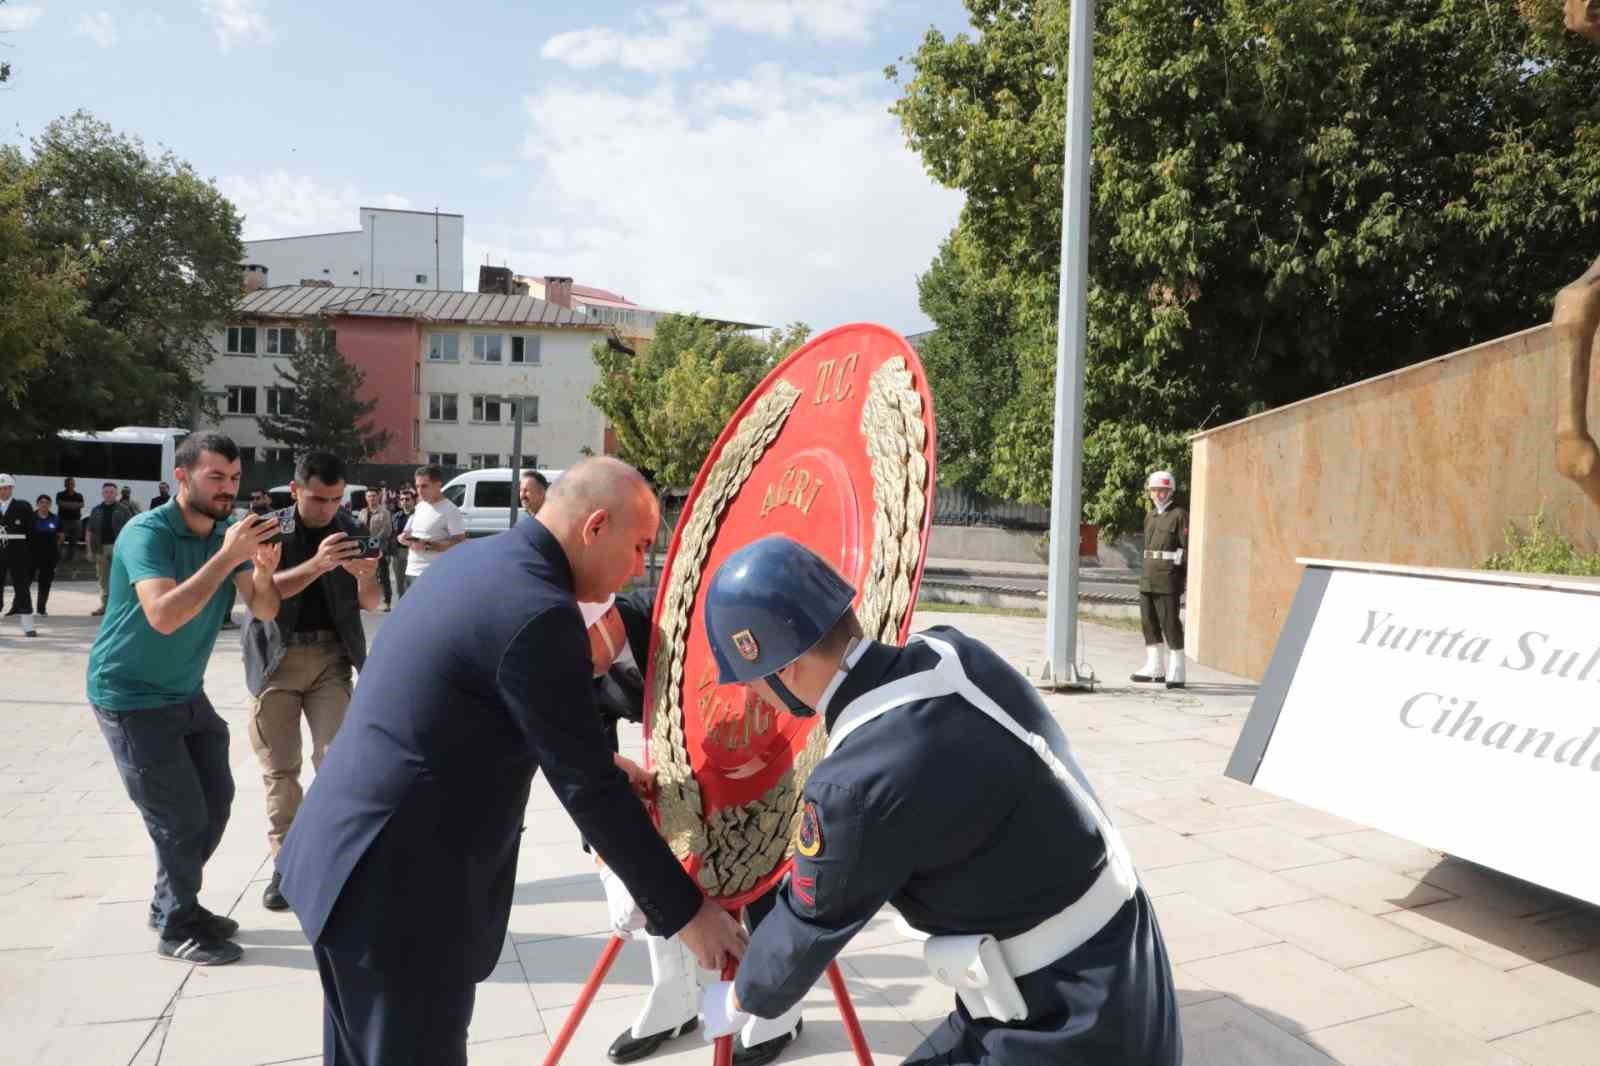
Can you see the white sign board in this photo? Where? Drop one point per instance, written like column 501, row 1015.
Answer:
column 1464, row 715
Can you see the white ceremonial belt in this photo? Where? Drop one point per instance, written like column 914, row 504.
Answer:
column 1067, row 931
column 1161, row 555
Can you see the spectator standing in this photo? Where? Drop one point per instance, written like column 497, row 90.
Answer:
column 45, row 543
column 163, row 495
column 16, row 527
column 532, row 492
column 400, row 558
column 69, row 504
column 435, row 527
column 171, row 573
column 100, row 534
column 379, row 521
column 300, row 663
column 129, row 502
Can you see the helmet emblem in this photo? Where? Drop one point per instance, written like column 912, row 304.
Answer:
column 745, row 641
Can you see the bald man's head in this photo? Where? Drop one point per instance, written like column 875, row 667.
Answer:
column 605, row 515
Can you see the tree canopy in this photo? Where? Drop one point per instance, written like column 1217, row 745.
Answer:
column 325, row 408
column 669, row 401
column 1287, row 196
column 129, row 260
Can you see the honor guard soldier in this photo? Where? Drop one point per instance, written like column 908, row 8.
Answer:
column 16, row 554
column 1166, row 540
column 948, row 790
column 619, row 642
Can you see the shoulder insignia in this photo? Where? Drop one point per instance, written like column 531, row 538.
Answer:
column 810, row 841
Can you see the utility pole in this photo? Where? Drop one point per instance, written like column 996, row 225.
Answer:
column 1066, row 499
column 517, row 407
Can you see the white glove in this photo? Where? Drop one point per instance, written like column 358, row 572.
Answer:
column 1178, row 558
column 623, row 911
column 721, row 1017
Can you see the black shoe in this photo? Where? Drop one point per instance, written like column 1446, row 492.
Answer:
column 1143, row 678
column 630, row 1048
column 272, row 896
column 200, row 952
column 208, row 925
column 1174, row 684
column 767, row 1050
column 43, row 613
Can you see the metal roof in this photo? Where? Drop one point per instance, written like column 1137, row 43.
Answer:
column 471, row 308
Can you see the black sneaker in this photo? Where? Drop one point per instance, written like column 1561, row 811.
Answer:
column 765, row 1051
column 272, row 895
column 205, row 952
column 210, row 926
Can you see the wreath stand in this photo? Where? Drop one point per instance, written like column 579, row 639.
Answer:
column 724, row 1045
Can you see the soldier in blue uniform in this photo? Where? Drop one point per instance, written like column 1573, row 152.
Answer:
column 619, row 642
column 949, row 791
column 401, row 863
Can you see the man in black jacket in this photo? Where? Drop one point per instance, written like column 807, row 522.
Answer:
column 300, row 664
column 16, row 555
column 402, row 861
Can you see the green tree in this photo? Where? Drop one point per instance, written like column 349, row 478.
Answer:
column 158, row 249
column 1288, row 196
column 325, row 409
column 669, row 401
column 39, row 291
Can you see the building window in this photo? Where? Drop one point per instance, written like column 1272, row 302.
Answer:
column 532, row 417
column 444, row 348
column 280, row 401
column 483, row 460
column 442, row 407
column 486, row 347
column 443, row 459
column 416, row 432
column 422, row 279
column 525, row 350
column 416, row 380
column 279, row 455
column 529, row 462
column 241, row 340
column 280, row 340
column 241, row 399
column 486, row 409
column 247, row 454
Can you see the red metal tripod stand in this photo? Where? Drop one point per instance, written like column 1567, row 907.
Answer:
column 724, row 1049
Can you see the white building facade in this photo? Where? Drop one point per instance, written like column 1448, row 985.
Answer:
column 393, row 249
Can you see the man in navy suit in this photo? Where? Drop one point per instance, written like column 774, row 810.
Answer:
column 402, row 861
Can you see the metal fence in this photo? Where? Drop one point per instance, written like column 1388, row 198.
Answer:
column 963, row 507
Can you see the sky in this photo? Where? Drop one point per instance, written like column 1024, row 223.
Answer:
column 730, row 157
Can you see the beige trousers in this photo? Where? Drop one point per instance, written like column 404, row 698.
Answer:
column 313, row 680
column 102, row 570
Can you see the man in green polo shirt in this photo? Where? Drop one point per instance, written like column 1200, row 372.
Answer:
column 171, row 572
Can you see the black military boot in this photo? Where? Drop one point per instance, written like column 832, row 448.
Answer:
column 630, row 1048
column 272, row 897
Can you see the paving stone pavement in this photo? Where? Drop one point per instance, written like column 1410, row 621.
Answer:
column 1298, row 937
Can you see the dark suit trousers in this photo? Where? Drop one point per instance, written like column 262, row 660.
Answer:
column 413, row 1017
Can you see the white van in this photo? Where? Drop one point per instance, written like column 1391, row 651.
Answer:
column 486, row 497
column 355, row 497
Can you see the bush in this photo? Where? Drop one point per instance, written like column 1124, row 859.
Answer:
column 1541, row 549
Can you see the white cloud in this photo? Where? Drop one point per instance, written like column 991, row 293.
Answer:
column 19, row 16
column 679, row 47
column 99, row 26
column 281, row 204
column 237, row 22
column 768, row 198
column 824, row 19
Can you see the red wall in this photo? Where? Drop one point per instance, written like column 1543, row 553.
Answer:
column 387, row 350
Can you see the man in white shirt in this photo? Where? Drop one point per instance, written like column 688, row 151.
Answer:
column 436, row 526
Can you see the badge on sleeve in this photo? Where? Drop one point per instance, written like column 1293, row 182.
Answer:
column 810, row 842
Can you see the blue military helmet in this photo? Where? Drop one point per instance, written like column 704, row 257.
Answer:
column 769, row 603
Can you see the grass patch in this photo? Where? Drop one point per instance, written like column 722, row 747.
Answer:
column 978, row 608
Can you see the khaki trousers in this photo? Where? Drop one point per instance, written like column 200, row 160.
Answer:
column 102, row 569
column 313, row 680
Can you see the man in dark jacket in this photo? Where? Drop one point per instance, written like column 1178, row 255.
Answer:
column 402, row 861
column 16, row 554
column 100, row 532
column 300, row 663
column 1166, row 541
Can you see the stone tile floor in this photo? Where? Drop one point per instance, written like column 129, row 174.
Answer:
column 1299, row 937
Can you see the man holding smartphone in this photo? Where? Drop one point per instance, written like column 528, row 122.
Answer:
column 301, row 662
column 435, row 527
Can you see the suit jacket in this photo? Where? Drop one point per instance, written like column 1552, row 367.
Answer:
column 404, row 853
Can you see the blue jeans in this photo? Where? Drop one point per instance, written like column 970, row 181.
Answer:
column 174, row 764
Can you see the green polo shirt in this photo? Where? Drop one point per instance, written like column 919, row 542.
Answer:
column 131, row 666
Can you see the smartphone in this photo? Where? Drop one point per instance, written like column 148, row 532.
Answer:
column 285, row 526
column 371, row 547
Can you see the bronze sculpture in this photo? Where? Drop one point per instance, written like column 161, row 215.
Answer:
column 1577, row 316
